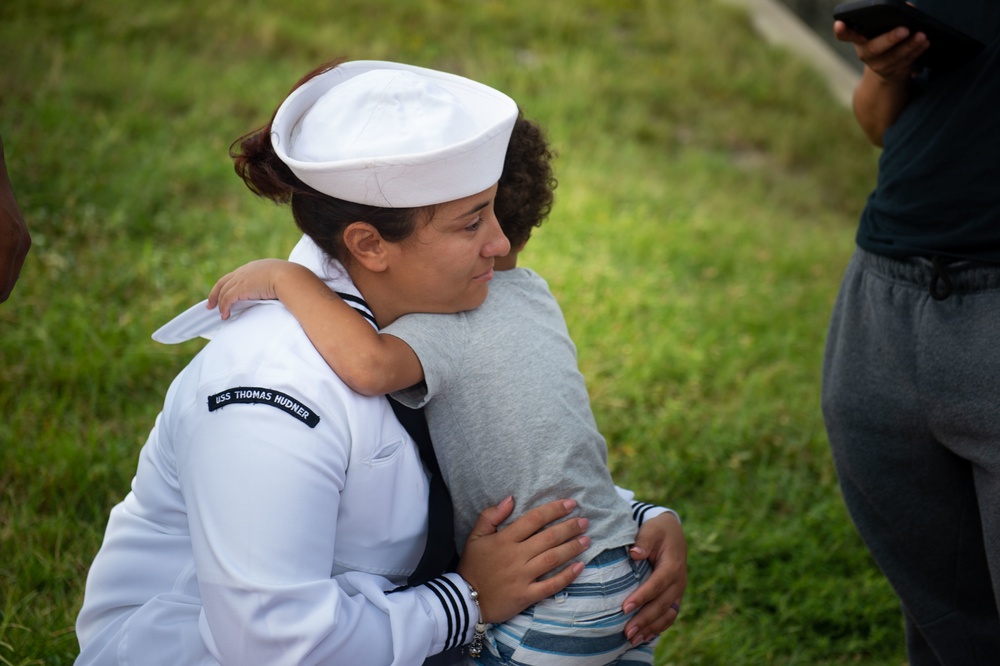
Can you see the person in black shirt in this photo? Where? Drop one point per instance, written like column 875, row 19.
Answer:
column 911, row 374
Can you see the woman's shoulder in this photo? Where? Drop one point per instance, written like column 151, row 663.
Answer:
column 266, row 349
column 260, row 375
column 268, row 337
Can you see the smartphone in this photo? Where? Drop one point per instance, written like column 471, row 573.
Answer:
column 949, row 47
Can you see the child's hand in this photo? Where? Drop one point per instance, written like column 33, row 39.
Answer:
column 256, row 280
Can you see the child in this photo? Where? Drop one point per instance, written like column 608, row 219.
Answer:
column 507, row 409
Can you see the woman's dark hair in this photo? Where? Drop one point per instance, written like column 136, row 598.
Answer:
column 320, row 216
column 525, row 194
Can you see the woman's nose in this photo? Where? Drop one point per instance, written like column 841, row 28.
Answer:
column 498, row 245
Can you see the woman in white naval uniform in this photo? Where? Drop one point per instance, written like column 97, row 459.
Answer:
column 274, row 512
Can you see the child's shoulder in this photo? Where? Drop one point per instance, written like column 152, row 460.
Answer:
column 520, row 290
column 517, row 275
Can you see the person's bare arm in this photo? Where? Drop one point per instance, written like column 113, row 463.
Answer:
column 370, row 363
column 14, row 237
column 887, row 81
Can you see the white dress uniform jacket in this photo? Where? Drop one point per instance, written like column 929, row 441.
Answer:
column 272, row 511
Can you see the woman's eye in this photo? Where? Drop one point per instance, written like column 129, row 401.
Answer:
column 475, row 225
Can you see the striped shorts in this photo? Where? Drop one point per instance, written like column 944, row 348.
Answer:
column 581, row 626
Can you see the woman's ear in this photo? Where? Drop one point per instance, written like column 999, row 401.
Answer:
column 366, row 245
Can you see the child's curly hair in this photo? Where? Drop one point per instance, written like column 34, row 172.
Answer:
column 525, row 193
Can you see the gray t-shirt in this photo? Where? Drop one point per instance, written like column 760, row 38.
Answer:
column 508, row 409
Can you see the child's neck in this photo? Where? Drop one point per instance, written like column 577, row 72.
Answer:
column 506, row 263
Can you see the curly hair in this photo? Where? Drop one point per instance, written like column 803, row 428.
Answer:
column 525, row 193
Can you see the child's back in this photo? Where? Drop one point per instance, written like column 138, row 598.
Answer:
column 508, row 410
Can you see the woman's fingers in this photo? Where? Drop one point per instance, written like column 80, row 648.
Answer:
column 535, row 519
column 556, row 545
column 655, row 616
column 504, row 566
column 661, row 541
column 491, row 518
column 544, row 589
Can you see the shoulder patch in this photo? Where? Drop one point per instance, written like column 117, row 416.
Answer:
column 253, row 395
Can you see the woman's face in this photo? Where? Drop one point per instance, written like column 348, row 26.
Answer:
column 447, row 263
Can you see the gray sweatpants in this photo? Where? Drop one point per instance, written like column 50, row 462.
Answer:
column 911, row 399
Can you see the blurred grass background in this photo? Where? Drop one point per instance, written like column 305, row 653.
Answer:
column 709, row 187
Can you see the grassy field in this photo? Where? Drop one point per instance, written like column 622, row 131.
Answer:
column 709, row 188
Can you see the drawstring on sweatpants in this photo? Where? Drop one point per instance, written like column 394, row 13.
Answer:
column 940, row 275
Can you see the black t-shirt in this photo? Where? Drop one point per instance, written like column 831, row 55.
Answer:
column 938, row 190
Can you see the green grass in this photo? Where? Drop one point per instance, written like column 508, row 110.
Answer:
column 709, row 188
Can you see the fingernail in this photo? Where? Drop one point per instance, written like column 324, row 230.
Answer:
column 631, row 632
column 506, row 501
column 583, row 523
column 629, row 607
column 569, row 504
column 585, row 540
column 637, row 551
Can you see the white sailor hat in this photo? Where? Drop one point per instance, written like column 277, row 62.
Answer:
column 393, row 135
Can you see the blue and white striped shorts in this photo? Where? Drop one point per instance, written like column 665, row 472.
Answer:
column 581, row 626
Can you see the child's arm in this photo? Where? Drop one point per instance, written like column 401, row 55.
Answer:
column 369, row 363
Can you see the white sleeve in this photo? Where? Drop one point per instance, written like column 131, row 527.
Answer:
column 642, row 511
column 263, row 494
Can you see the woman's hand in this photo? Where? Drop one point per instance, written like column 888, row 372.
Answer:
column 504, row 566
column 661, row 541
column 257, row 280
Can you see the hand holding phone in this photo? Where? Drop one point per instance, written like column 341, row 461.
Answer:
column 949, row 48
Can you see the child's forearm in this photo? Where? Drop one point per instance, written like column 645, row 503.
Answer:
column 369, row 363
